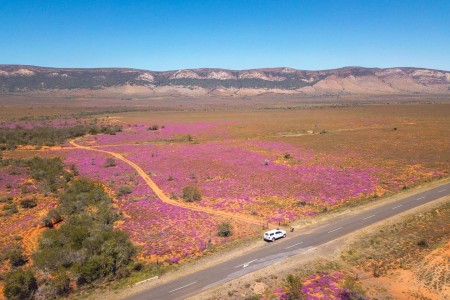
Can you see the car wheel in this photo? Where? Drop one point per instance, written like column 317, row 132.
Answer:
column 273, row 239
column 284, row 235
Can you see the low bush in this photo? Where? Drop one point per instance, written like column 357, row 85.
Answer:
column 10, row 209
column 20, row 285
column 28, row 203
column 53, row 217
column 6, row 200
column 124, row 190
column 16, row 257
column 293, row 284
column 224, row 229
column 110, row 162
column 191, row 193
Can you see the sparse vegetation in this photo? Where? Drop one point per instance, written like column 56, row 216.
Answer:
column 10, row 209
column 293, row 284
column 401, row 244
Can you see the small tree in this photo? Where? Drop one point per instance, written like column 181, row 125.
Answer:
column 20, row 284
column 224, row 229
column 191, row 193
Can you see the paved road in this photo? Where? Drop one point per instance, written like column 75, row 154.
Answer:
column 284, row 248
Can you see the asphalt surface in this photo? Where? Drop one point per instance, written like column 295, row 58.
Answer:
column 283, row 248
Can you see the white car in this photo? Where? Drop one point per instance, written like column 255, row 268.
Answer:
column 274, row 234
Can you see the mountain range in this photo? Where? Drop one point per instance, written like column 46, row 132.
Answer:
column 20, row 79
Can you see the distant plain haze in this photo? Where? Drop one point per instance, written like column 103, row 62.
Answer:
column 170, row 35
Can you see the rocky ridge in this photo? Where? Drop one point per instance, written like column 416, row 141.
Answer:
column 201, row 82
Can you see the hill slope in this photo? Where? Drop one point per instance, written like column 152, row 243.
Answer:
column 203, row 82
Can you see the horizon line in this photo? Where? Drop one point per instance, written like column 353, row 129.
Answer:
column 219, row 68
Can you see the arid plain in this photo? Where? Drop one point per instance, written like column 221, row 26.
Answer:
column 176, row 173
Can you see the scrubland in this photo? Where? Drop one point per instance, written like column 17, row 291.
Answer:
column 266, row 166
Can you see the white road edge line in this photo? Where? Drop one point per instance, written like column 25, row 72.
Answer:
column 397, row 206
column 442, row 191
column 293, row 245
column 369, row 217
column 182, row 287
column 245, row 264
column 420, row 198
column 334, row 230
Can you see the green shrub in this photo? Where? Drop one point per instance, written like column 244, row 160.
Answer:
column 294, row 285
column 28, row 203
column 96, row 267
column 74, row 170
column 49, row 172
column 124, row 190
column 60, row 283
column 352, row 290
column 10, row 209
column 16, row 257
column 110, row 162
column 422, row 243
column 191, row 193
column 53, row 217
column 224, row 229
column 6, row 200
column 20, row 284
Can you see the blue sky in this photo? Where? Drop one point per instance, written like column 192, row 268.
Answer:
column 167, row 35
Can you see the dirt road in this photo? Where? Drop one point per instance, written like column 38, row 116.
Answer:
column 163, row 197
